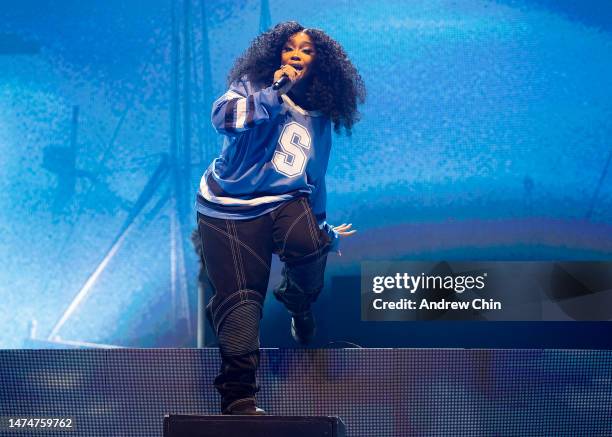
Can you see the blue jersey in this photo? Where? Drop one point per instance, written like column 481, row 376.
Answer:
column 273, row 151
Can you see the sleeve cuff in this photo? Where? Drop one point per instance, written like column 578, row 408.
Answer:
column 333, row 235
column 272, row 100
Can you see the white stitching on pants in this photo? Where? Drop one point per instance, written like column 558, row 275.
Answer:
column 214, row 314
column 251, row 251
column 310, row 226
column 239, row 265
column 239, row 255
column 291, row 228
column 236, row 305
column 203, row 254
column 231, row 240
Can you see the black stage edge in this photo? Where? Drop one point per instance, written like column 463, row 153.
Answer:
column 252, row 426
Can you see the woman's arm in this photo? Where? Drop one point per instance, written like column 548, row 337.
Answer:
column 241, row 108
column 318, row 200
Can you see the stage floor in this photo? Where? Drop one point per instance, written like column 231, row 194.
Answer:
column 376, row 392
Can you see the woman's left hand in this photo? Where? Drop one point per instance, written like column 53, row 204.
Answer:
column 343, row 230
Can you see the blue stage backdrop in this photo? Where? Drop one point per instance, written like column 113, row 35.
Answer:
column 486, row 135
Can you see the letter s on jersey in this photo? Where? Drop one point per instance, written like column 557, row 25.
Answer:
column 291, row 161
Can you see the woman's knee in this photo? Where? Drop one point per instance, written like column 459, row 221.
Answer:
column 239, row 331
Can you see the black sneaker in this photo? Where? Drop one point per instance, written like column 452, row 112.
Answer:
column 244, row 407
column 303, row 327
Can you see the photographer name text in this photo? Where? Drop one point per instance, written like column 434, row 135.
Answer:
column 431, row 283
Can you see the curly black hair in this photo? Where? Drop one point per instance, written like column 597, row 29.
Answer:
column 336, row 87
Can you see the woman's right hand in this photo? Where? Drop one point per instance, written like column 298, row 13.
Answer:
column 293, row 75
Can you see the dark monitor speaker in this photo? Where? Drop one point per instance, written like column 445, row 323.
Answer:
column 252, row 426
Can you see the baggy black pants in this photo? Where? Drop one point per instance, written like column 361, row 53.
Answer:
column 237, row 255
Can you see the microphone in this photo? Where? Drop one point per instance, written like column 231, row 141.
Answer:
column 281, row 82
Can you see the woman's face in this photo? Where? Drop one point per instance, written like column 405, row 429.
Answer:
column 299, row 52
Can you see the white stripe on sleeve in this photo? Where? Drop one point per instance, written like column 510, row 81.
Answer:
column 240, row 113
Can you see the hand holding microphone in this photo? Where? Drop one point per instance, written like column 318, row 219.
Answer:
column 285, row 77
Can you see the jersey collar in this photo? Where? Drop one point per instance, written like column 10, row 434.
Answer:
column 299, row 109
